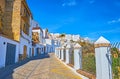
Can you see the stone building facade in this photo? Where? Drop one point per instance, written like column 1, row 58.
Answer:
column 16, row 24
column 15, row 18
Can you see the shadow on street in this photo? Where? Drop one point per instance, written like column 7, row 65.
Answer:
column 6, row 71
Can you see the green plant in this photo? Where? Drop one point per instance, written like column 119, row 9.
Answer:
column 62, row 35
column 88, row 63
column 88, row 57
column 115, row 63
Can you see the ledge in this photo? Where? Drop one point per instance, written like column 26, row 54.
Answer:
column 102, row 45
column 71, row 65
column 90, row 76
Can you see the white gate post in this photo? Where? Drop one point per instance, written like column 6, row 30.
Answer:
column 62, row 54
column 56, row 51
column 77, row 56
column 103, row 59
column 68, row 47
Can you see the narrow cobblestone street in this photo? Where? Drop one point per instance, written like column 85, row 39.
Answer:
column 46, row 68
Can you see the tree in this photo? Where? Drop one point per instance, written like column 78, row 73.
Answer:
column 62, row 35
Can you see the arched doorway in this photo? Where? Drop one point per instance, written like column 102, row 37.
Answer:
column 24, row 52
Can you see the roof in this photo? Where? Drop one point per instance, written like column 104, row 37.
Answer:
column 102, row 40
column 36, row 28
column 28, row 9
column 68, row 46
column 77, row 45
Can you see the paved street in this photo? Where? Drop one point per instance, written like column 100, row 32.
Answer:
column 47, row 67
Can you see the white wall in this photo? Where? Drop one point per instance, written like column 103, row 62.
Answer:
column 3, row 48
column 40, row 35
column 38, row 46
column 68, row 37
column 31, row 26
column 24, row 42
column 48, row 41
column 76, row 37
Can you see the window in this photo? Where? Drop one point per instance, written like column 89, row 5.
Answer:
column 26, row 29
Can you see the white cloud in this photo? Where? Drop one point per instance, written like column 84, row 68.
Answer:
column 116, row 30
column 69, row 3
column 114, row 21
column 119, row 19
column 96, row 34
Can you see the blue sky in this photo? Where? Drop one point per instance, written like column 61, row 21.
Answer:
column 89, row 18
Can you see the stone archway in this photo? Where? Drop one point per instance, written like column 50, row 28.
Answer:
column 24, row 52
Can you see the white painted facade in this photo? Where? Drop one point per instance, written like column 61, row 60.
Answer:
column 39, row 45
column 75, row 37
column 26, row 40
column 40, row 31
column 38, row 49
column 55, row 35
column 68, row 37
column 40, row 35
column 45, row 33
column 86, row 39
column 50, row 45
column 48, row 48
column 3, row 50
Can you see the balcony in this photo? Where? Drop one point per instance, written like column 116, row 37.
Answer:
column 25, row 17
column 27, row 37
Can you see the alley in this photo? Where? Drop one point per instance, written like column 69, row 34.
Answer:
column 48, row 67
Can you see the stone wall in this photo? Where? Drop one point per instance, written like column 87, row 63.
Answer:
column 16, row 20
column 7, row 19
column 2, row 4
column 11, row 18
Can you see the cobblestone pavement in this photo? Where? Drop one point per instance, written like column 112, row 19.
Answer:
column 46, row 68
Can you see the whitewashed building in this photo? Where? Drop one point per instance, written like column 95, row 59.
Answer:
column 68, row 37
column 9, row 51
column 51, row 41
column 75, row 37
column 26, row 43
column 38, row 39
